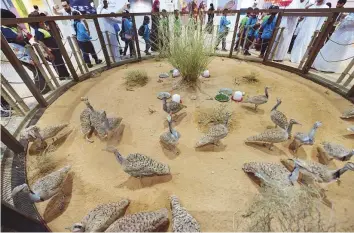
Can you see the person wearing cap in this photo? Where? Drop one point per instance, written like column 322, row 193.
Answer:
column 267, row 29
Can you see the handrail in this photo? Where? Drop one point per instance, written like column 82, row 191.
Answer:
column 54, row 18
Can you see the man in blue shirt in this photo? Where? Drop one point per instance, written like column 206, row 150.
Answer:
column 251, row 27
column 267, row 29
column 223, row 31
column 146, row 35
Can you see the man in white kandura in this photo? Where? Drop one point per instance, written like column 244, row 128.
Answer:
column 107, row 24
column 289, row 24
column 340, row 46
column 309, row 26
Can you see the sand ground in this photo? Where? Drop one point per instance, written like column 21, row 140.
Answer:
column 209, row 182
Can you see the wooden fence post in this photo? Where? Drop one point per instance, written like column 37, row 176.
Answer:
column 78, row 50
column 346, row 71
column 12, row 103
column 110, row 46
column 75, row 54
column 12, row 92
column 309, row 47
column 56, row 35
column 103, row 44
column 136, row 38
column 40, row 67
column 276, row 43
column 10, row 141
column 272, row 39
column 10, row 55
column 45, row 62
column 234, row 35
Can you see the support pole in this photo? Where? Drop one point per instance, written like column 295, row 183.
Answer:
column 110, row 46
column 272, row 39
column 276, row 43
column 103, row 45
column 10, row 141
column 309, row 47
column 40, row 67
column 78, row 50
column 351, row 77
column 12, row 92
column 16, row 64
column 75, row 54
column 136, row 38
column 346, row 71
column 245, row 40
column 45, row 62
column 11, row 102
column 234, row 35
column 55, row 33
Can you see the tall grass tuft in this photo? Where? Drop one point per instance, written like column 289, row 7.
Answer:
column 136, row 78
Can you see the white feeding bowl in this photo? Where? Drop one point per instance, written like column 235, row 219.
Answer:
column 175, row 73
column 176, row 98
column 206, row 74
column 237, row 96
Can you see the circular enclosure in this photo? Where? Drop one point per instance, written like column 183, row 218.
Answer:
column 209, row 181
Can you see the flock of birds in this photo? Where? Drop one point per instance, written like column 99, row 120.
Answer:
column 110, row 217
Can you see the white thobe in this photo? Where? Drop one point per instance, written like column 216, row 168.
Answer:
column 303, row 39
column 289, row 24
column 338, row 47
column 107, row 24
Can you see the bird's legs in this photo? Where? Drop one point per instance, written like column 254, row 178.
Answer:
column 270, row 146
column 89, row 134
column 255, row 107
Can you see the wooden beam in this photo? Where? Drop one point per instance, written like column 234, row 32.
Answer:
column 103, row 43
column 14, row 94
column 10, row 141
column 75, row 54
column 136, row 38
column 55, row 33
column 16, row 64
column 12, row 103
column 110, row 46
column 346, row 71
column 272, row 39
column 234, row 35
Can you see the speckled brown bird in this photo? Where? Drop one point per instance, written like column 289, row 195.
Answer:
column 328, row 151
column 259, row 99
column 278, row 117
column 141, row 222
column 182, row 221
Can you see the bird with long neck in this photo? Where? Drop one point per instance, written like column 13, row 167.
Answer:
column 171, row 107
column 171, row 137
column 88, row 104
column 278, row 117
column 259, row 99
column 182, row 221
column 328, row 151
column 272, row 136
column 305, row 139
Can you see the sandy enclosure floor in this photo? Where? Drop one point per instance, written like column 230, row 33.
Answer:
column 210, row 183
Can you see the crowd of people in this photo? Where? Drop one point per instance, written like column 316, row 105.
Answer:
column 255, row 29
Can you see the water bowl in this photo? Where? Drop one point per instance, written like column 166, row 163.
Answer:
column 238, row 95
column 175, row 73
column 206, row 74
column 176, row 98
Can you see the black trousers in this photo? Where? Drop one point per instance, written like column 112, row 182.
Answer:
column 87, row 48
column 292, row 43
column 249, row 42
column 129, row 44
column 264, row 46
column 59, row 64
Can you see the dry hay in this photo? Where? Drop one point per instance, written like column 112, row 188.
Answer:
column 251, row 78
column 136, row 78
column 42, row 165
column 287, row 209
column 206, row 117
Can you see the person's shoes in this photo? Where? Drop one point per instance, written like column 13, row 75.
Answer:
column 5, row 113
column 99, row 61
column 89, row 65
column 147, row 53
column 246, row 53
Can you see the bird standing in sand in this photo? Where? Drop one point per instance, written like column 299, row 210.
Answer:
column 171, row 137
column 46, row 187
column 141, row 222
column 182, row 221
column 269, row 173
column 259, row 99
column 215, row 133
column 318, row 172
column 101, row 217
column 172, row 107
column 329, row 151
column 304, row 138
column 138, row 165
column 272, row 136
column 278, row 117
column 348, row 114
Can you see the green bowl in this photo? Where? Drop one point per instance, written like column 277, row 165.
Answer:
column 222, row 97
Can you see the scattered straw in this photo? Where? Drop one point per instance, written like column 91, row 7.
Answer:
column 251, row 78
column 136, row 78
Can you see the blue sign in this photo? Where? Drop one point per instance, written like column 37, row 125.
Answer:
column 86, row 7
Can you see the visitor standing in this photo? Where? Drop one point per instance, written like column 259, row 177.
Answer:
column 164, row 32
column 107, row 24
column 338, row 47
column 154, row 37
column 210, row 23
column 127, row 35
column 267, row 29
column 144, row 31
column 84, row 41
column 241, row 30
column 177, row 25
column 289, row 24
column 43, row 35
column 250, row 27
column 309, row 26
column 223, row 31
column 17, row 40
